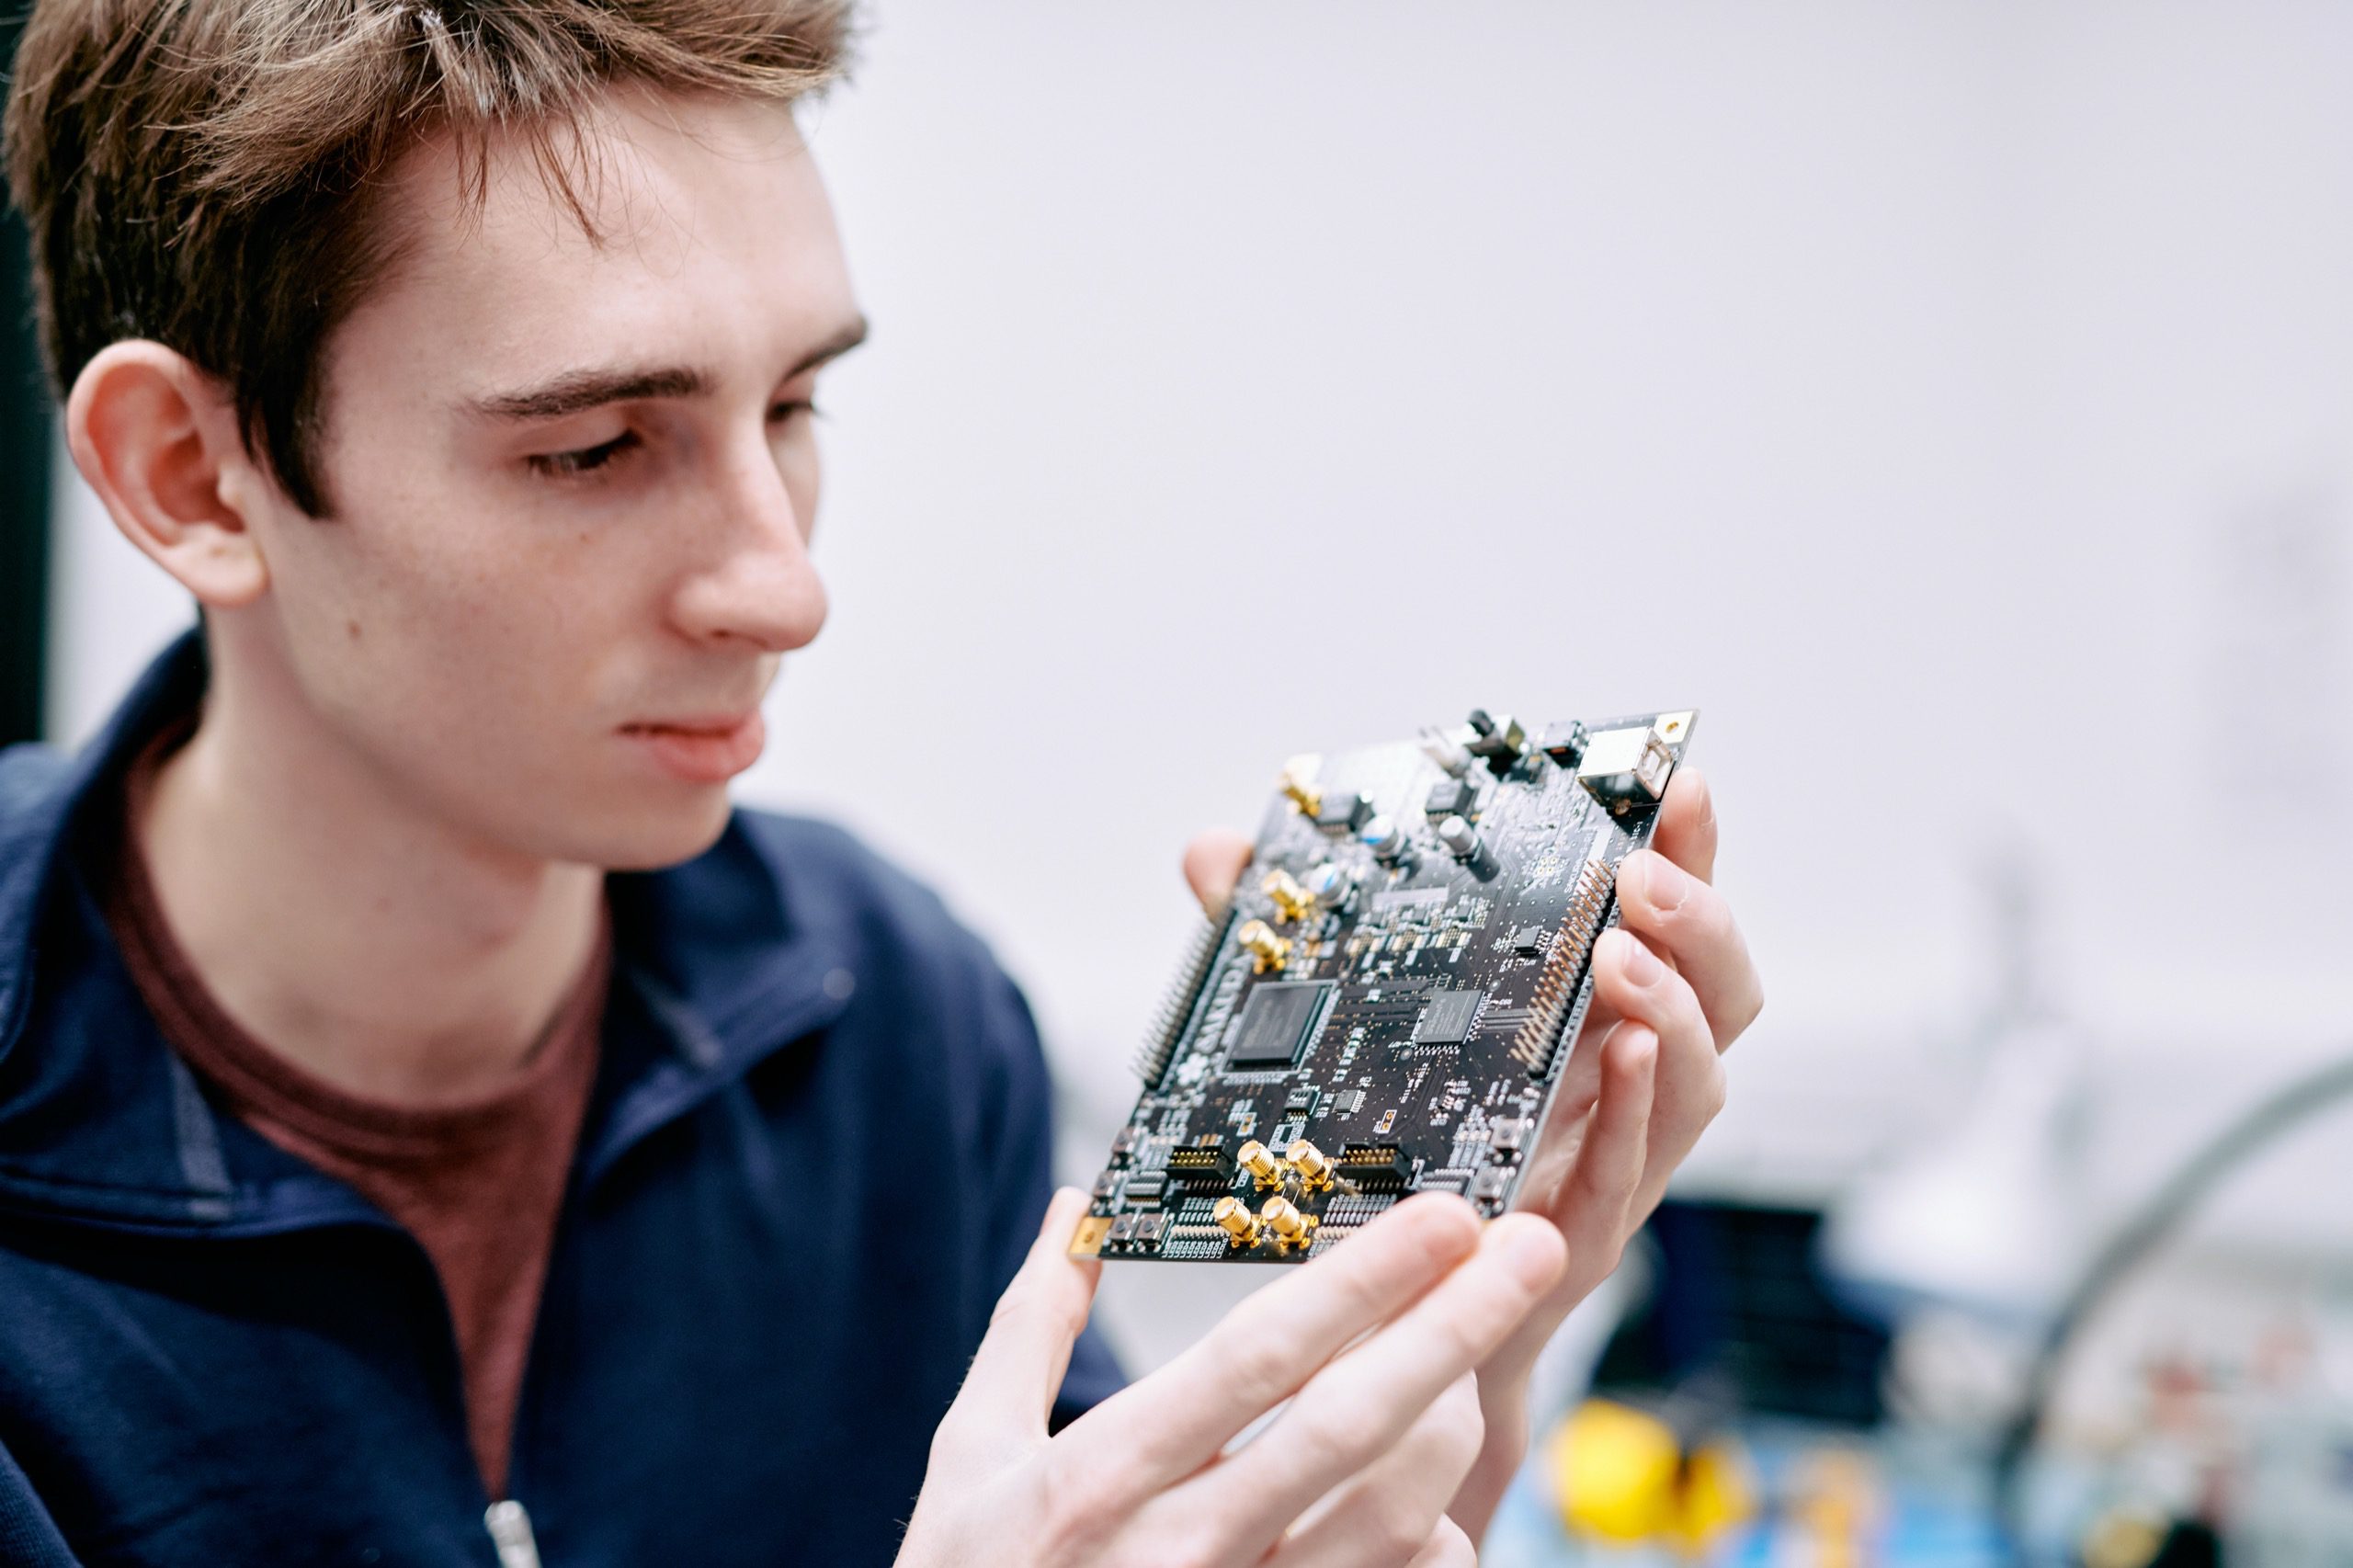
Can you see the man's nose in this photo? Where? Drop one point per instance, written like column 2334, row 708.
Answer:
column 757, row 584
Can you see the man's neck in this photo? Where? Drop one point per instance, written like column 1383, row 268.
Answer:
column 368, row 945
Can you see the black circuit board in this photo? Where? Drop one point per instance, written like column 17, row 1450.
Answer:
column 1387, row 1007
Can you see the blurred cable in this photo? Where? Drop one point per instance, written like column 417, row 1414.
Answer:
column 2174, row 1199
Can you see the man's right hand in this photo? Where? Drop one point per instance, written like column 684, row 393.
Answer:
column 1374, row 1345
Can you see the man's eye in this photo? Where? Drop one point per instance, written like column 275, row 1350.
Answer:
column 587, row 459
column 786, row 410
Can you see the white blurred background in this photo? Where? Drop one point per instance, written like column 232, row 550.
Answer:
column 1954, row 401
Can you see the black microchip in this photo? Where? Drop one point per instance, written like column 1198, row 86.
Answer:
column 1343, row 811
column 1528, row 941
column 1449, row 797
column 1448, row 1020
column 1276, row 1021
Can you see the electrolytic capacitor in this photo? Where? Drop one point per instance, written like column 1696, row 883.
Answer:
column 1329, row 884
column 1463, row 841
column 1387, row 841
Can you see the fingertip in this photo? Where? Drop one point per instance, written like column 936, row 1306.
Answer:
column 1687, row 826
column 1532, row 1248
column 1213, row 863
column 1445, row 1224
column 1062, row 1210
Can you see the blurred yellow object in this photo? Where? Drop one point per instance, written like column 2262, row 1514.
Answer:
column 2124, row 1537
column 1622, row 1476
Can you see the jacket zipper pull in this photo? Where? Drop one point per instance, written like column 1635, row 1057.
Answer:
column 510, row 1530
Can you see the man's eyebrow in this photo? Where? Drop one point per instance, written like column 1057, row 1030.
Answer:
column 574, row 392
column 849, row 337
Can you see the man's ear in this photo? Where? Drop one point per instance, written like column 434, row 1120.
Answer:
column 157, row 439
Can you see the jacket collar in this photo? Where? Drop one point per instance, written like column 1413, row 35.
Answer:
column 716, row 967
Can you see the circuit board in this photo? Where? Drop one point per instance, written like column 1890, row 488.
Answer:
column 1388, row 1003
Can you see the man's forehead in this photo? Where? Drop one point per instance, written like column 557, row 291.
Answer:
column 649, row 218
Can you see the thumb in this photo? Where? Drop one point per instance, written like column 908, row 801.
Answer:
column 1018, row 1370
column 1213, row 865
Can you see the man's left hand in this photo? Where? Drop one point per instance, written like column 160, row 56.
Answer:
column 1672, row 987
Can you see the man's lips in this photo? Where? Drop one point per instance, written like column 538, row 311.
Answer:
column 702, row 750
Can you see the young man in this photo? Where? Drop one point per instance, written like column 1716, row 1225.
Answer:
column 434, row 1127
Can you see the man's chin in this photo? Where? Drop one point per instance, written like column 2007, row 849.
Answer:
column 659, row 839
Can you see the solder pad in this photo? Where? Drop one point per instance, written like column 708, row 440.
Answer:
column 1388, row 1004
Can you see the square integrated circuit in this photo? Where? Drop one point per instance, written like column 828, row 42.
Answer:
column 1387, row 1005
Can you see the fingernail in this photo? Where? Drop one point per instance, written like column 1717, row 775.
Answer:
column 1664, row 883
column 1642, row 965
column 1534, row 1256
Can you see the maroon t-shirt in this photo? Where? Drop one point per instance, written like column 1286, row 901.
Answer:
column 477, row 1183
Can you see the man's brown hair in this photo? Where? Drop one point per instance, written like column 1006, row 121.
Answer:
column 200, row 172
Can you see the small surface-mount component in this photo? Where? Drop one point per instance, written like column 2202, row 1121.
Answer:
column 1627, row 766
column 1395, row 1016
column 1267, row 949
column 1201, row 1166
column 1276, row 1022
column 1448, row 1021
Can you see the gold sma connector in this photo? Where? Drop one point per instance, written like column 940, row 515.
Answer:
column 1298, row 782
column 1314, row 1170
column 1261, row 1163
column 1295, row 902
column 1242, row 1227
column 1289, row 1227
column 1266, row 950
